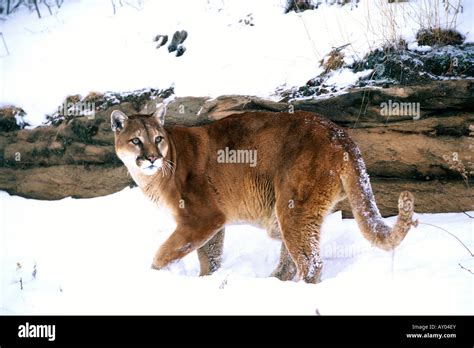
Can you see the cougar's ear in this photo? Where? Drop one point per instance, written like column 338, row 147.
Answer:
column 160, row 113
column 117, row 120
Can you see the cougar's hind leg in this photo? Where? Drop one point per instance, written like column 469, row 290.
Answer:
column 301, row 238
column 301, row 221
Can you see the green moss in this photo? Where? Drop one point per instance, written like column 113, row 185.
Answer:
column 84, row 131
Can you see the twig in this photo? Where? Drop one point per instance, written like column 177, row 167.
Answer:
column 338, row 49
column 35, row 2
column 442, row 229
column 470, row 217
column 5, row 44
column 13, row 8
column 366, row 91
column 467, row 269
column 313, row 45
column 132, row 6
column 48, row 7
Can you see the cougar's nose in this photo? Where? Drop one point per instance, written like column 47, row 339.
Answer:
column 152, row 158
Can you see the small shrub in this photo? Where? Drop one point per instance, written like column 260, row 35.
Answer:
column 298, row 5
column 85, row 131
column 439, row 37
column 94, row 97
column 75, row 98
column 9, row 119
column 333, row 61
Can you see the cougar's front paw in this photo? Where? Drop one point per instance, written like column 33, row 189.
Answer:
column 158, row 264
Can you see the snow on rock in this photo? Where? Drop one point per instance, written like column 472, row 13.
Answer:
column 233, row 47
column 413, row 46
column 346, row 77
column 93, row 256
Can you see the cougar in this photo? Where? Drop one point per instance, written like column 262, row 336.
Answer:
column 283, row 172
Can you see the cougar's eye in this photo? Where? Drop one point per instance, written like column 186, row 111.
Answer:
column 158, row 139
column 136, row 141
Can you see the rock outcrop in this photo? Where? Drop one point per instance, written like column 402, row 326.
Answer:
column 430, row 154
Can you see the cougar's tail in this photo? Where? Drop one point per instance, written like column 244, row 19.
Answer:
column 357, row 186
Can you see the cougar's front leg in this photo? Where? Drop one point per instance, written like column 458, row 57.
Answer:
column 186, row 238
column 210, row 254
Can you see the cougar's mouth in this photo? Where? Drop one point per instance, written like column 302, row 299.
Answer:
column 151, row 168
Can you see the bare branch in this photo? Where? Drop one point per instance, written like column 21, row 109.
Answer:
column 14, row 7
column 442, row 229
column 5, row 44
column 471, row 217
column 48, row 6
column 467, row 269
column 35, row 2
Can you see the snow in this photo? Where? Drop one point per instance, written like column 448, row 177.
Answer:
column 85, row 47
column 93, row 257
column 346, row 77
column 413, row 46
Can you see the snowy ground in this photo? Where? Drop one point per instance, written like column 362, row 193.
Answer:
column 85, row 47
column 93, row 259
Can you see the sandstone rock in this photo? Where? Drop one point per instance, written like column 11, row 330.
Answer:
column 431, row 156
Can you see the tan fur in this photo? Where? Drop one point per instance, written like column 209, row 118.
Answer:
column 305, row 165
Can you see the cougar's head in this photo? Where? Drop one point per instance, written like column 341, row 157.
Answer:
column 140, row 140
